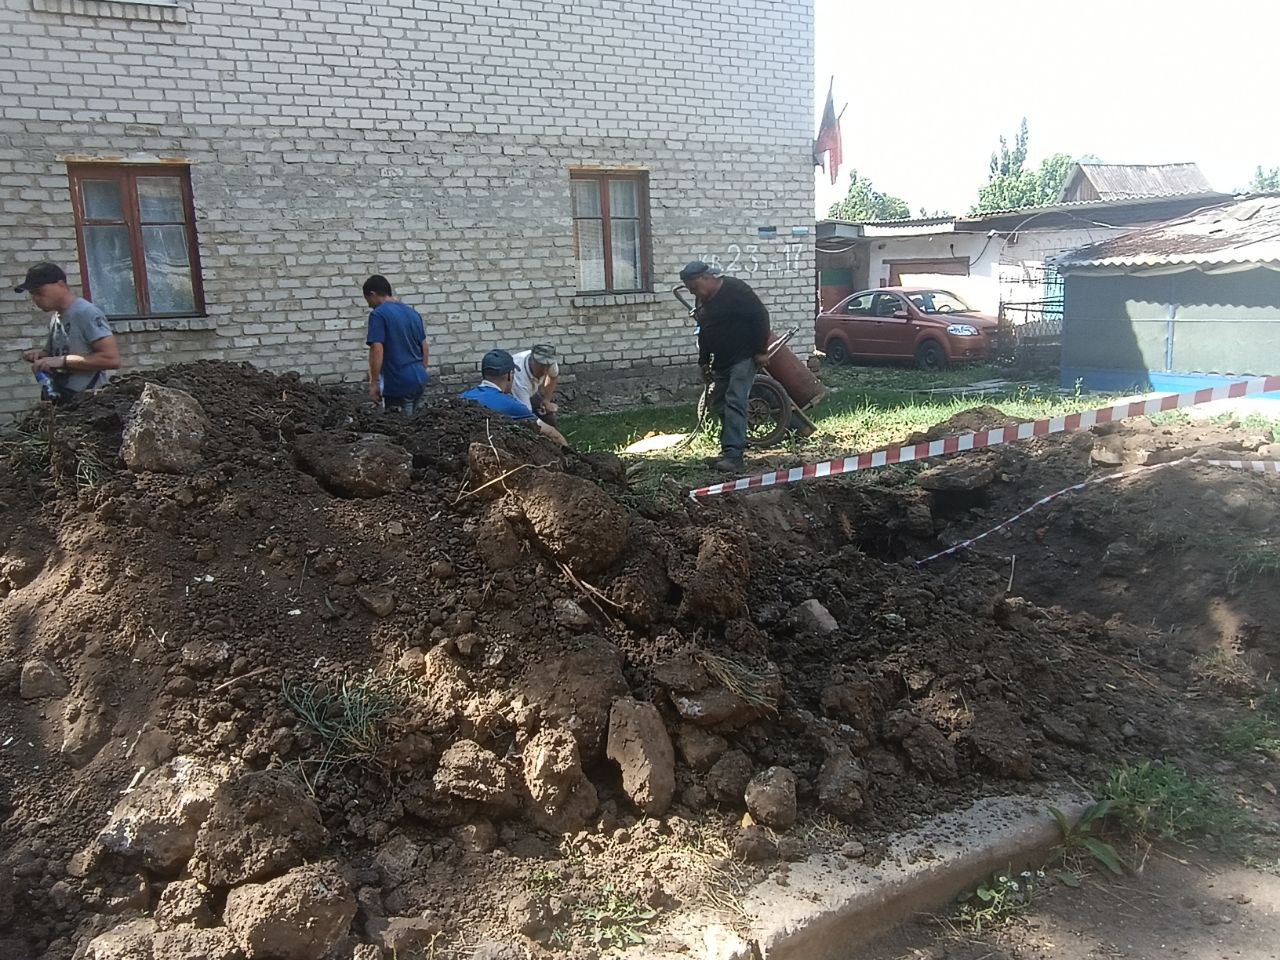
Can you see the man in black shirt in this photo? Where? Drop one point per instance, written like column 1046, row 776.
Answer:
column 733, row 333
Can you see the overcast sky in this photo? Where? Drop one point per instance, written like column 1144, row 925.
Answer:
column 932, row 84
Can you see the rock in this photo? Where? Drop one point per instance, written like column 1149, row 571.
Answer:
column 155, row 827
column 571, row 614
column 40, row 678
column 717, row 707
column 261, row 824
column 128, row 941
column 85, row 728
column 164, row 432
column 188, row 944
column 395, row 528
column 1065, row 732
column 771, row 797
column 397, row 861
column 185, row 902
column 575, row 691
column 533, row 916
column 815, row 618
column 498, row 950
column 298, row 916
column 470, row 772
column 728, row 777
column 963, row 474
column 19, row 567
column 1128, row 730
column 842, row 784
column 700, row 748
column 754, row 845
column 355, row 465
column 404, row 937
column 716, row 590
column 574, row 520
column 563, row 799
column 497, row 542
column 205, row 656
column 640, row 746
column 1121, row 559
column 931, row 752
column 379, row 601
column 1108, row 451
column 479, row 836
column 853, row 850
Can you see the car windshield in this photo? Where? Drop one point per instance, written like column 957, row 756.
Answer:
column 937, row 301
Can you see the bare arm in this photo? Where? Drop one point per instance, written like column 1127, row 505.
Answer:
column 549, row 387
column 426, row 355
column 104, row 355
column 375, row 371
column 548, row 431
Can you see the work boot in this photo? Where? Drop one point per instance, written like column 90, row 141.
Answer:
column 730, row 465
column 712, row 461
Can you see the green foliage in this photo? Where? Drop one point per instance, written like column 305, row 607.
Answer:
column 1157, row 800
column 615, row 919
column 996, row 900
column 864, row 202
column 1256, row 732
column 1081, row 838
column 1260, row 561
column 1265, row 181
column 1011, row 185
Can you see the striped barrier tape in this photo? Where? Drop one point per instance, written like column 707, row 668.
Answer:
column 992, row 438
column 1255, row 466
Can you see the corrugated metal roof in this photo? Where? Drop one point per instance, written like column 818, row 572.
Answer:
column 902, row 222
column 1070, row 206
column 1246, row 231
column 1116, row 181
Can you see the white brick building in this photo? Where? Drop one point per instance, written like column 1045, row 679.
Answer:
column 433, row 141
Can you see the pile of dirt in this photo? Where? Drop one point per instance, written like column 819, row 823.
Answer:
column 430, row 688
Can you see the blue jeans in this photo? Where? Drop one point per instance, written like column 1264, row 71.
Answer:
column 729, row 392
column 403, row 405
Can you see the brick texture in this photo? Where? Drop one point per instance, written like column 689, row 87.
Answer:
column 429, row 140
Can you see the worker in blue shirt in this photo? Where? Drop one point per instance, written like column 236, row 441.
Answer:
column 497, row 370
column 398, row 349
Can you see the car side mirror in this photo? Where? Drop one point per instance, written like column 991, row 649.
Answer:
column 901, row 315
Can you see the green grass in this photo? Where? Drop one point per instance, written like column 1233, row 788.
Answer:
column 1158, row 800
column 865, row 407
column 1259, row 561
column 1257, row 732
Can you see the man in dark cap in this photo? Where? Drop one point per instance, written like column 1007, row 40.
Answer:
column 398, row 349
column 733, row 334
column 80, row 350
column 497, row 371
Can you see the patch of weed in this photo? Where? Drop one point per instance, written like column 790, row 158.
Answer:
column 614, row 919
column 544, row 881
column 996, row 900
column 1258, row 731
column 1261, row 561
column 1158, row 800
column 1083, row 839
column 1225, row 668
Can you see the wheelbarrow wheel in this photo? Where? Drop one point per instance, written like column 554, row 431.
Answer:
column 768, row 411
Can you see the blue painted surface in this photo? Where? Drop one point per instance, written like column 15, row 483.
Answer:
column 1147, row 381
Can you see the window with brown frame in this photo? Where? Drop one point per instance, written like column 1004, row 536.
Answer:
column 611, row 230
column 136, row 232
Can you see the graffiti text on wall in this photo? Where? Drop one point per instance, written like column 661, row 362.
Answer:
column 750, row 260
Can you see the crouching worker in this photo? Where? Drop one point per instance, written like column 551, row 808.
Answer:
column 497, row 371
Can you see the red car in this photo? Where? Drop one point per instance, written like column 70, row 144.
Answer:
column 931, row 327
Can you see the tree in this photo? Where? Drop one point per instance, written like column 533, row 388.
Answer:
column 864, row 202
column 1010, row 185
column 1265, row 181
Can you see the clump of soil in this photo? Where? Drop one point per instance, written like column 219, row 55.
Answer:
column 420, row 719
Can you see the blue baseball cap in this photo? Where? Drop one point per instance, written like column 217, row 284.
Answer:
column 497, row 361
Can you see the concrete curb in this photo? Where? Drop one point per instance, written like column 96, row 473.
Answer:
column 825, row 906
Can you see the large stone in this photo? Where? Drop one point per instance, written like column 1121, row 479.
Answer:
column 470, row 772
column 716, row 589
column 572, row 519
column 700, row 748
column 575, row 691
column 814, row 618
column 640, row 746
column 186, row 943
column 185, row 903
column 355, row 465
column 128, row 941
column 261, row 824
column 40, row 678
column 299, row 916
column 931, row 752
column 961, row 475
column 397, row 861
column 403, row 938
column 86, row 725
column 728, row 777
column 842, row 784
column 155, row 826
column 771, row 797
column 164, row 431
column 563, row 799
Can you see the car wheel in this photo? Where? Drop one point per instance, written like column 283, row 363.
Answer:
column 931, row 356
column 836, row 351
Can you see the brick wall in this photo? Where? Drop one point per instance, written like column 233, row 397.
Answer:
column 430, row 141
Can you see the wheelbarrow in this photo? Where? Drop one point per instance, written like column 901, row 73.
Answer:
column 783, row 389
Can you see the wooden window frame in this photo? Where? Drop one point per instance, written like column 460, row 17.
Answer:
column 127, row 176
column 602, row 179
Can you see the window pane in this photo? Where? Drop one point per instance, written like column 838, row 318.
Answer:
column 625, row 237
column 168, row 269
column 111, row 270
column 623, row 198
column 101, row 200
column 589, row 235
column 160, row 199
column 586, row 198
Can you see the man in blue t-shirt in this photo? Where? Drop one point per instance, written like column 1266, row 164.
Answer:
column 497, row 369
column 398, row 350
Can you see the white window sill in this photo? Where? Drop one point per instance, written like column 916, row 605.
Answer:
column 614, row 299
column 153, row 11
column 154, row 324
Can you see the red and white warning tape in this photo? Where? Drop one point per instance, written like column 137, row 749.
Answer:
column 991, row 438
column 1256, row 466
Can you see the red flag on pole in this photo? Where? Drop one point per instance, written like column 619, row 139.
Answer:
column 828, row 142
